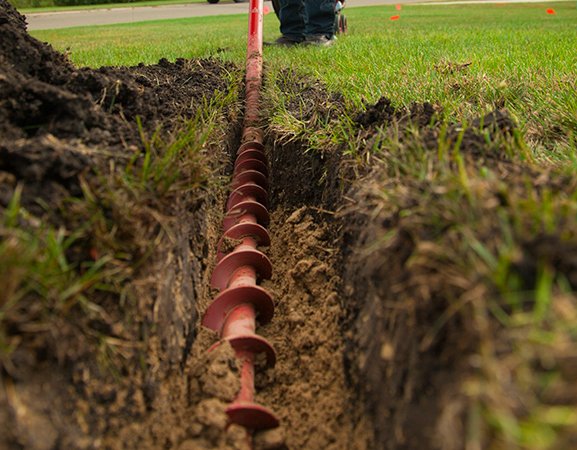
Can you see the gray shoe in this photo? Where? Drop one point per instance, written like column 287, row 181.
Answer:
column 285, row 41
column 320, row 39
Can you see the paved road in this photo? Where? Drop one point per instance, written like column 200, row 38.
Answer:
column 42, row 21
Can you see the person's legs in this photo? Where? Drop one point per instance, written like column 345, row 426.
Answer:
column 292, row 19
column 320, row 18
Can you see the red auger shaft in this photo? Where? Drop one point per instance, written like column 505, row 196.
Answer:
column 234, row 311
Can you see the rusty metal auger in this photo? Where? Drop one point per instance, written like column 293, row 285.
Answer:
column 234, row 311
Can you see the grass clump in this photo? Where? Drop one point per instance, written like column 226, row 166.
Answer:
column 175, row 163
column 299, row 104
column 48, row 287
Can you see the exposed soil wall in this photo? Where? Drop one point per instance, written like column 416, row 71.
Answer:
column 408, row 374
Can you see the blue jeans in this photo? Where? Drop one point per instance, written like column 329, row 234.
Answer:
column 301, row 18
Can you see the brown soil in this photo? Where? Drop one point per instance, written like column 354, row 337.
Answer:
column 308, row 386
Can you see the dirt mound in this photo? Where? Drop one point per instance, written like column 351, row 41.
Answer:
column 42, row 93
column 426, row 119
column 26, row 55
column 383, row 113
column 50, row 111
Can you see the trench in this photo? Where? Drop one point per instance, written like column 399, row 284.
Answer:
column 334, row 385
column 308, row 388
column 351, row 372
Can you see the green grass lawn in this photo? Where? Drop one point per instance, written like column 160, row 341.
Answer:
column 516, row 56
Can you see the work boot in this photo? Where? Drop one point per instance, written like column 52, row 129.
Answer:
column 320, row 40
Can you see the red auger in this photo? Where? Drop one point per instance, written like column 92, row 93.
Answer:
column 233, row 313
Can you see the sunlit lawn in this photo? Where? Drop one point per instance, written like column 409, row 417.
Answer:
column 467, row 58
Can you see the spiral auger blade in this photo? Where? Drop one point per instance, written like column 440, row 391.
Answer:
column 234, row 312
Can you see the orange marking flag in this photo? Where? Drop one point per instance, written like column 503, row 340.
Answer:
column 398, row 6
column 550, row 11
column 266, row 10
column 395, row 17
